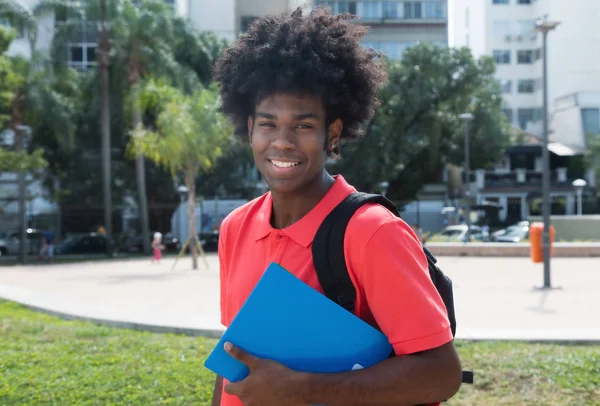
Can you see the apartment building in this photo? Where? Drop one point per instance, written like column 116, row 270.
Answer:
column 505, row 29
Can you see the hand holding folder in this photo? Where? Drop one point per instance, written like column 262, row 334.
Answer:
column 286, row 320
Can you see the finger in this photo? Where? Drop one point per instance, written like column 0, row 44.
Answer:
column 232, row 388
column 241, row 355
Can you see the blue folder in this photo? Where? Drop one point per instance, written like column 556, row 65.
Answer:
column 286, row 320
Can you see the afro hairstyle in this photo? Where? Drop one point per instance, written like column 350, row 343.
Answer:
column 318, row 54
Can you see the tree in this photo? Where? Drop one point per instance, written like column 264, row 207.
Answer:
column 13, row 103
column 72, row 16
column 417, row 127
column 20, row 17
column 144, row 43
column 191, row 134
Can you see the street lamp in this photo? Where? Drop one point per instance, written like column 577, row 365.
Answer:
column 182, row 190
column 544, row 26
column 579, row 184
column 467, row 117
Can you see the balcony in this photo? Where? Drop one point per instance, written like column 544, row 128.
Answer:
column 520, row 179
column 393, row 12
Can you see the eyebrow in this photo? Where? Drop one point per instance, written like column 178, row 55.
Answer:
column 297, row 117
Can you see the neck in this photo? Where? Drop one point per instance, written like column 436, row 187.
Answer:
column 288, row 208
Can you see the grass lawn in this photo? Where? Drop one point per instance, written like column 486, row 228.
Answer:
column 45, row 360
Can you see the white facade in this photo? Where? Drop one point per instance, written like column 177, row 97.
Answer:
column 504, row 29
column 21, row 45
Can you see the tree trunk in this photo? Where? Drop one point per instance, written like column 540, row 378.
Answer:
column 140, row 174
column 17, row 122
column 104, row 48
column 191, row 185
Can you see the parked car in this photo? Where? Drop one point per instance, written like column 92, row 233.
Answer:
column 171, row 243
column 33, row 242
column 514, row 233
column 209, row 240
column 90, row 243
column 458, row 233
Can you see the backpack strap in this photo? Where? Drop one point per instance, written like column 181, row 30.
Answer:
column 328, row 244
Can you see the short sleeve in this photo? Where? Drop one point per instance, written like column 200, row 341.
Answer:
column 223, row 272
column 396, row 284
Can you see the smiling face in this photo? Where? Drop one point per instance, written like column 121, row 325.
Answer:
column 290, row 139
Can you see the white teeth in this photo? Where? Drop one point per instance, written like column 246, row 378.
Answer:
column 284, row 164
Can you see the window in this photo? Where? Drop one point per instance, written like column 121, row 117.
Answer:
column 502, row 57
column 525, row 116
column 506, row 86
column 434, row 10
column 81, row 56
column 537, row 54
column 525, row 27
column 526, row 86
column 591, row 121
column 523, row 1
column 390, row 9
column 370, row 10
column 499, row 1
column 501, row 28
column 346, row 7
column 413, row 9
column 509, row 114
column 525, row 57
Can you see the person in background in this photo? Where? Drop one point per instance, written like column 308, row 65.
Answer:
column 47, row 251
column 157, row 248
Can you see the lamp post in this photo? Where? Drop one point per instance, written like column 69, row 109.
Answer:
column 182, row 192
column 579, row 184
column 467, row 117
column 544, row 26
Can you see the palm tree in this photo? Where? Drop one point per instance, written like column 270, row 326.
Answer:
column 191, row 135
column 73, row 17
column 144, row 41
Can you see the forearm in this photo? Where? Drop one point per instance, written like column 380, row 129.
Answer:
column 216, row 400
column 403, row 380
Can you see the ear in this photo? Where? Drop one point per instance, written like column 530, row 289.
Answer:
column 335, row 132
column 250, row 128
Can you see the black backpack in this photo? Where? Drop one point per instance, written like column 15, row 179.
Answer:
column 330, row 262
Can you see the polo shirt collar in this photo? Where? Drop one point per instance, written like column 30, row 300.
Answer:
column 303, row 231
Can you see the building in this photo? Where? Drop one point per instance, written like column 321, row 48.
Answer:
column 397, row 25
column 504, row 29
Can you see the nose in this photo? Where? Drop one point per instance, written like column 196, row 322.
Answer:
column 284, row 139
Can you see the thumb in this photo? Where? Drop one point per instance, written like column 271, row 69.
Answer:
column 236, row 352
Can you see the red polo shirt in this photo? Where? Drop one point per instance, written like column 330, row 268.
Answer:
column 385, row 261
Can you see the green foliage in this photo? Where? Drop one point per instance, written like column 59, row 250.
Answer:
column 50, row 361
column 14, row 86
column 22, row 160
column 191, row 132
column 417, row 126
column 20, row 17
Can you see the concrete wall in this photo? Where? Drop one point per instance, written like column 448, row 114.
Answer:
column 574, row 228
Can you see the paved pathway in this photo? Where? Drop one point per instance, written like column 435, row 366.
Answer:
column 495, row 297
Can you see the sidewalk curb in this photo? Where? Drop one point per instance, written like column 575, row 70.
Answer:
column 129, row 325
column 216, row 334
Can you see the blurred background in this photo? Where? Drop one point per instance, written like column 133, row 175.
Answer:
column 491, row 111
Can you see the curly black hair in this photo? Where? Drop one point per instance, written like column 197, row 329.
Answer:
column 318, row 54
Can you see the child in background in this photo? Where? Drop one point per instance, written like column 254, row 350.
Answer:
column 157, row 247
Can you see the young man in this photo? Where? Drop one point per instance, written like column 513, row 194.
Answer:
column 296, row 86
